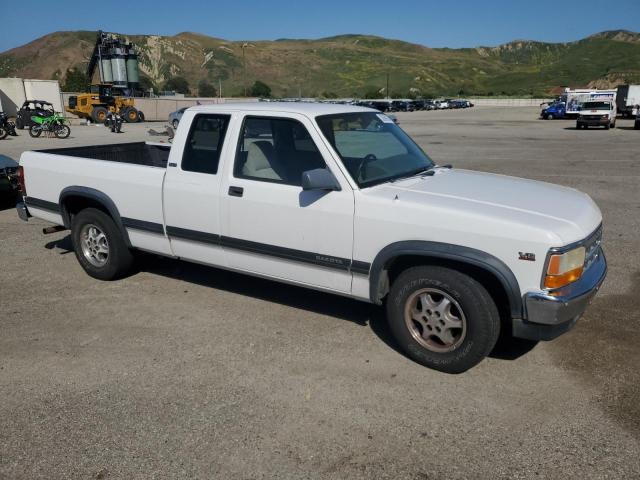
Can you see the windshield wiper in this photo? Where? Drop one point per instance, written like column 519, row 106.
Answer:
column 425, row 171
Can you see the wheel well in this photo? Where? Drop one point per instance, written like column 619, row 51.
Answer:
column 487, row 279
column 73, row 204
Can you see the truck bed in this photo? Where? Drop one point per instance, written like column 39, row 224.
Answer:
column 137, row 153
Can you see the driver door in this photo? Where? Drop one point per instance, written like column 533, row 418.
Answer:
column 270, row 225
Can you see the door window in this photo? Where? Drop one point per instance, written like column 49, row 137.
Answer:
column 204, row 143
column 275, row 150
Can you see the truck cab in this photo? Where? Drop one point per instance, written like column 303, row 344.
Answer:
column 553, row 111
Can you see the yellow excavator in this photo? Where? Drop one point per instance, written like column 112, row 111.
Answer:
column 117, row 64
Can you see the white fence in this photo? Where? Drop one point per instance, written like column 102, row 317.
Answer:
column 508, row 102
column 158, row 109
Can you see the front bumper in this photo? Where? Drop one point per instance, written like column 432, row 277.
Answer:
column 23, row 212
column 548, row 316
column 593, row 122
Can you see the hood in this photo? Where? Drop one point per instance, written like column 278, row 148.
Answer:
column 568, row 213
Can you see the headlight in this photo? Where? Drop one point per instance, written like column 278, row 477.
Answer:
column 605, row 117
column 564, row 268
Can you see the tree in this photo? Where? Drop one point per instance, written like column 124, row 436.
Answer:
column 177, row 84
column 75, row 81
column 205, row 89
column 146, row 84
column 260, row 89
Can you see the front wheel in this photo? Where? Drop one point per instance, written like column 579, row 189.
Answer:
column 442, row 318
column 549, row 116
column 62, row 131
column 35, row 131
column 99, row 246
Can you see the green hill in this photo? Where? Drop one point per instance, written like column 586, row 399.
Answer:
column 351, row 65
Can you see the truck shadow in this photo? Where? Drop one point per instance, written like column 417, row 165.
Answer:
column 360, row 313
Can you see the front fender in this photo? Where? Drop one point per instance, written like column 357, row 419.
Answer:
column 438, row 250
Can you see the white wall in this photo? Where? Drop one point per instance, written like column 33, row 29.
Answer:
column 48, row 90
column 11, row 94
column 14, row 91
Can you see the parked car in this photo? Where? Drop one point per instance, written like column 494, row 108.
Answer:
column 402, row 106
column 174, row 117
column 600, row 113
column 442, row 104
column 555, row 110
column 8, row 177
column 339, row 199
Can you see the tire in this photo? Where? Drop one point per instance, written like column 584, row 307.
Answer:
column 175, row 123
column 117, row 260
column 549, row 116
column 35, row 131
column 19, row 124
column 131, row 115
column 469, row 302
column 613, row 125
column 62, row 131
column 140, row 116
column 636, row 126
column 99, row 114
column 607, row 126
column 3, row 133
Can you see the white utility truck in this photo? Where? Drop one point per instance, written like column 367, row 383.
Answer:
column 597, row 113
column 574, row 99
column 336, row 198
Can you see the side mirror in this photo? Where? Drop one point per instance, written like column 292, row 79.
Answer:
column 319, row 179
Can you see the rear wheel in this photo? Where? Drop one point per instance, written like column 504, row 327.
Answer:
column 3, row 133
column 99, row 246
column 131, row 115
column 442, row 318
column 35, row 130
column 99, row 114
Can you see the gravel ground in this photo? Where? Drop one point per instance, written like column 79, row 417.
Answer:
column 185, row 371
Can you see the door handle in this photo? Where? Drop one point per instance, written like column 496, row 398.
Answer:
column 236, row 191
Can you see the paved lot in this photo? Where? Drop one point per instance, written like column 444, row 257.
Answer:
column 183, row 371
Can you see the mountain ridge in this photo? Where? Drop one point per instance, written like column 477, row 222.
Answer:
column 349, row 64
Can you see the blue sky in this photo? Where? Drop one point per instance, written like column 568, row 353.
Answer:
column 453, row 23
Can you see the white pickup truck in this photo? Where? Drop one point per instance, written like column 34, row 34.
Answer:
column 340, row 199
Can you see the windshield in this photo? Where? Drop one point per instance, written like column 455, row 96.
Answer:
column 372, row 147
column 596, row 106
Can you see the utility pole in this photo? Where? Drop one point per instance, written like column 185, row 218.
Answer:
column 219, row 87
column 387, row 91
column 244, row 64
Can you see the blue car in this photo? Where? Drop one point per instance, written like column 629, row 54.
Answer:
column 555, row 110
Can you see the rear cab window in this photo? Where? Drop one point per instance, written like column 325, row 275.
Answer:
column 204, row 143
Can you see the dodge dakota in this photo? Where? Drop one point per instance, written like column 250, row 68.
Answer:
column 340, row 199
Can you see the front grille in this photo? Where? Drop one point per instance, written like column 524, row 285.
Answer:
column 592, row 247
column 592, row 117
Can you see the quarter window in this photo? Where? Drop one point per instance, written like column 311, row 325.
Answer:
column 206, row 137
column 276, row 150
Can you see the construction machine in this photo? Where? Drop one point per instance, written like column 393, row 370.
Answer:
column 116, row 62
